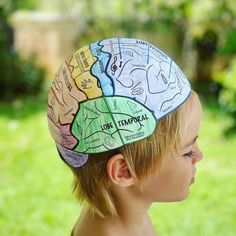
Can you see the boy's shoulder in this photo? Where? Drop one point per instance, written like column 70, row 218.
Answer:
column 81, row 229
column 86, row 226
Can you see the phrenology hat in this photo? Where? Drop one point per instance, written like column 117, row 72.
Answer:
column 111, row 93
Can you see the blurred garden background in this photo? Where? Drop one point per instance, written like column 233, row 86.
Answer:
column 35, row 37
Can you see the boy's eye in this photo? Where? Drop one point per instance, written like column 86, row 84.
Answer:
column 189, row 154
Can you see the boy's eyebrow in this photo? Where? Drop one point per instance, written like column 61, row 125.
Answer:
column 193, row 141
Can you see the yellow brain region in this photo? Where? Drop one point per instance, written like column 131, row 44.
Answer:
column 82, row 61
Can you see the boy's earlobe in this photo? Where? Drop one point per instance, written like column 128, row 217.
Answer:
column 118, row 171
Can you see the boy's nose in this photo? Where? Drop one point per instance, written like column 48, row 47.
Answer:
column 198, row 157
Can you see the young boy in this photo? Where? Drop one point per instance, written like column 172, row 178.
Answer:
column 125, row 120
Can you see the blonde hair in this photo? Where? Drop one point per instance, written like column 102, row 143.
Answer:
column 91, row 181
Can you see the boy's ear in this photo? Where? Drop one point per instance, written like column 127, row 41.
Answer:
column 118, row 171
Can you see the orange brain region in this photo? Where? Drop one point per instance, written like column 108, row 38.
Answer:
column 63, row 103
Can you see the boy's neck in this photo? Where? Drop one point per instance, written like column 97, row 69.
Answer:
column 132, row 212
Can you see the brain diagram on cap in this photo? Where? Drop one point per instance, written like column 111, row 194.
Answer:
column 112, row 93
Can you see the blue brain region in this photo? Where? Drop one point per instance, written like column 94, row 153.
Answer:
column 137, row 69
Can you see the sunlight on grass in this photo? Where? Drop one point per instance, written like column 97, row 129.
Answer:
column 35, row 193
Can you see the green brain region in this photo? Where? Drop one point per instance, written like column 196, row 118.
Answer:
column 105, row 123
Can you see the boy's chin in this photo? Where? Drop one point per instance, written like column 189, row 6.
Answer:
column 179, row 198
column 182, row 197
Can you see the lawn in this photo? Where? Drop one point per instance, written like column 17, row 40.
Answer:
column 35, row 186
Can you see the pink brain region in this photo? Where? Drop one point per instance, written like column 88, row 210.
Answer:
column 143, row 72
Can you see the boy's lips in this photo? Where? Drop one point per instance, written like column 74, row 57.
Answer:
column 192, row 180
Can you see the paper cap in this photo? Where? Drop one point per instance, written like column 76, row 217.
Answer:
column 111, row 93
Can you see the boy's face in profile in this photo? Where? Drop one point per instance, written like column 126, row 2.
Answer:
column 171, row 181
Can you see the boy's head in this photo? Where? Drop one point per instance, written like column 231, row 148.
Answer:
column 117, row 108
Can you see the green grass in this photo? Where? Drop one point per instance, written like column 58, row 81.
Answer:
column 35, row 186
